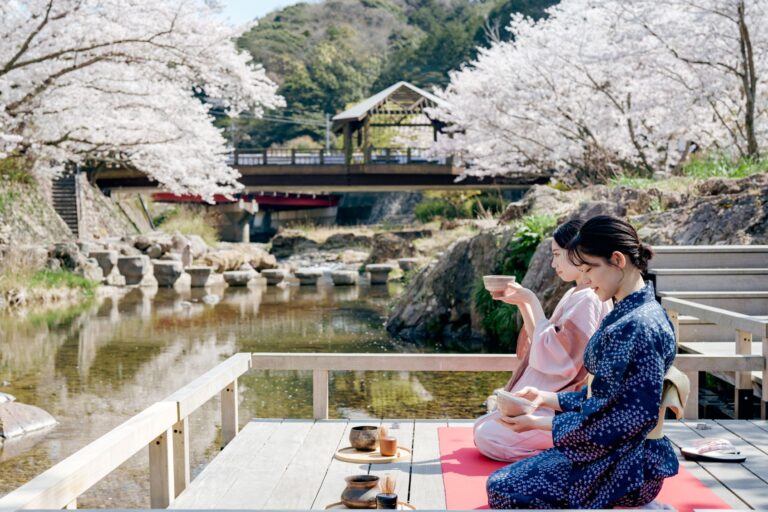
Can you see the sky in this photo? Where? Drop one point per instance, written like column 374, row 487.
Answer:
column 242, row 11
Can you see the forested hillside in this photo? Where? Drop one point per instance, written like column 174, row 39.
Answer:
column 328, row 55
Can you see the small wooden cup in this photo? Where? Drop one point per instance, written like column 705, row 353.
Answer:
column 388, row 446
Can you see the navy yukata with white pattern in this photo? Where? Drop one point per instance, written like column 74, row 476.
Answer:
column 601, row 457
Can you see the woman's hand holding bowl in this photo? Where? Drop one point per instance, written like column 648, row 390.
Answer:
column 539, row 398
column 514, row 294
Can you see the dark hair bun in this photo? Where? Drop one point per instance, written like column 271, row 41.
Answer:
column 645, row 254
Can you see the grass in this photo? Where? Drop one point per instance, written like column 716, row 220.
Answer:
column 46, row 278
column 696, row 170
column 189, row 222
column 16, row 169
column 723, row 166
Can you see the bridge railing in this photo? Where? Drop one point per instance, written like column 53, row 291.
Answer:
column 372, row 156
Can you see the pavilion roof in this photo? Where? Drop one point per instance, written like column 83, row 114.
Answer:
column 401, row 98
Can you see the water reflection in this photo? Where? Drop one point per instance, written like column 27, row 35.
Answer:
column 95, row 366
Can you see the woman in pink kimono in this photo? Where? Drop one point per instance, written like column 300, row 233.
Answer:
column 551, row 351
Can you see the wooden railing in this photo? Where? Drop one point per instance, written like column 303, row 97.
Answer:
column 744, row 328
column 371, row 156
column 163, row 427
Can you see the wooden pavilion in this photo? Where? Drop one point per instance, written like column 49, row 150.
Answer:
column 402, row 105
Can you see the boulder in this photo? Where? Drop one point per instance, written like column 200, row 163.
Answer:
column 68, row 254
column 407, row 264
column 199, row 275
column 344, row 277
column 344, row 240
column 438, row 304
column 308, row 276
column 6, row 397
column 284, row 245
column 142, row 242
column 89, row 268
column 154, row 251
column 379, row 272
column 17, row 419
column 239, row 277
column 167, row 272
column 133, row 268
column 198, row 246
column 387, row 246
column 352, row 256
column 107, row 260
column 273, row 276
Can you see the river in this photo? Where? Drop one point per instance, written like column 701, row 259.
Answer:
column 93, row 367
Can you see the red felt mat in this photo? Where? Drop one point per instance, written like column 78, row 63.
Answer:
column 465, row 472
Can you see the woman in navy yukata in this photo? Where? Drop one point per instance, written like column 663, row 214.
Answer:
column 603, row 456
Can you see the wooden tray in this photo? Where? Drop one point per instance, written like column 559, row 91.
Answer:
column 401, row 505
column 350, row 454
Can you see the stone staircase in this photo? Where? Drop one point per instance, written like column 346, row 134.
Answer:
column 65, row 200
column 733, row 279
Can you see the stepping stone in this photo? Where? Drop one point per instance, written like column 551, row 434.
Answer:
column 239, row 277
column 407, row 263
column 344, row 277
column 133, row 268
column 106, row 260
column 167, row 272
column 379, row 272
column 200, row 275
column 273, row 275
column 308, row 276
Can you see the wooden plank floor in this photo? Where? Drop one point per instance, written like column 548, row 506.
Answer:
column 289, row 464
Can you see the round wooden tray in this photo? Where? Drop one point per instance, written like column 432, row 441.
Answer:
column 401, row 505
column 350, row 454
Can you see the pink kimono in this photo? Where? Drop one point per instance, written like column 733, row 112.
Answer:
column 553, row 360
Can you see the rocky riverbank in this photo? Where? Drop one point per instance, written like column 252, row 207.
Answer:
column 440, row 305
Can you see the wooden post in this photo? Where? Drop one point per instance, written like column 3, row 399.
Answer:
column 293, row 156
column 691, row 411
column 367, row 140
column 180, row 456
column 237, row 160
column 743, row 381
column 320, row 394
column 161, row 476
column 347, row 145
column 264, row 157
column 408, row 155
column 229, row 420
column 322, row 156
column 764, row 390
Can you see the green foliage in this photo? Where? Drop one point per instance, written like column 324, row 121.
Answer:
column 62, row 279
column 324, row 64
column 457, row 205
column 723, row 166
column 499, row 318
column 15, row 169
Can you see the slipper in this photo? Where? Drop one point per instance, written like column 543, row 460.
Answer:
column 712, row 449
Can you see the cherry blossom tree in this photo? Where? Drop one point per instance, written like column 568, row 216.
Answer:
column 120, row 80
column 613, row 85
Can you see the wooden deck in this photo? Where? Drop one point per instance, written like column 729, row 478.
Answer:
column 289, row 464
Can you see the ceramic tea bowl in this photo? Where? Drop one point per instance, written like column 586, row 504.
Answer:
column 364, row 438
column 511, row 405
column 497, row 283
column 361, row 491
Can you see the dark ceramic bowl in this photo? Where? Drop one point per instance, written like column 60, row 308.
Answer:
column 364, row 438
